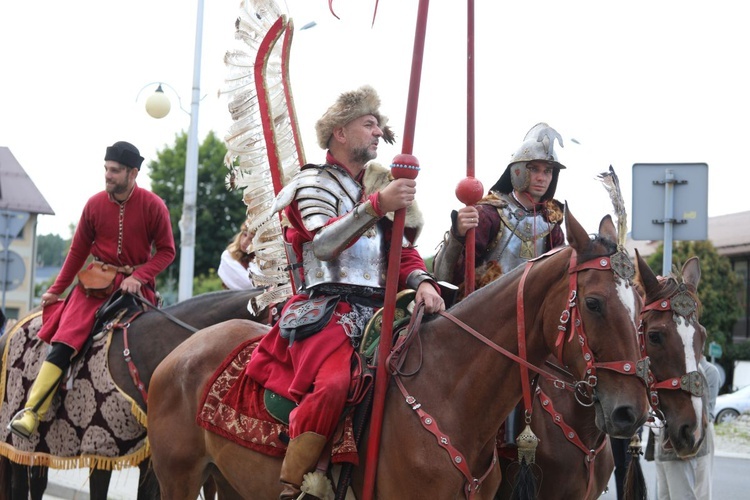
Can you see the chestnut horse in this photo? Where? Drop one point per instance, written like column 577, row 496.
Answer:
column 575, row 455
column 466, row 385
column 674, row 340
column 150, row 337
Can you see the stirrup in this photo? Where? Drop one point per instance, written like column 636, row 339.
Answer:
column 18, row 415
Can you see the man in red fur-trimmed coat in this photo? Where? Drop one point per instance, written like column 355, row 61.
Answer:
column 341, row 235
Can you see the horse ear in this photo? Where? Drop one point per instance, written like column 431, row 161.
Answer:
column 607, row 229
column 691, row 271
column 645, row 277
column 578, row 238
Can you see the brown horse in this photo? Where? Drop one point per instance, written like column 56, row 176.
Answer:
column 674, row 340
column 577, row 456
column 465, row 386
column 150, row 337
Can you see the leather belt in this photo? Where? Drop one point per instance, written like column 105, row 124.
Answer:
column 128, row 270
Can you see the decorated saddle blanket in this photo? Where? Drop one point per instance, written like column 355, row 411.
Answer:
column 233, row 406
column 91, row 423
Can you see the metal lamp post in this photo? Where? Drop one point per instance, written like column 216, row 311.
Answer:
column 157, row 106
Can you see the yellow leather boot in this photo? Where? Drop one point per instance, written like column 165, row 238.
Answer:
column 301, row 457
column 26, row 421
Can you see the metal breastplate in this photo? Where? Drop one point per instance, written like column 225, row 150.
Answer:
column 362, row 264
column 521, row 236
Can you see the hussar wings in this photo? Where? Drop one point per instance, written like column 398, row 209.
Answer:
column 264, row 150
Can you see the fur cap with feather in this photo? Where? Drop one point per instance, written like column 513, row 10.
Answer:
column 350, row 106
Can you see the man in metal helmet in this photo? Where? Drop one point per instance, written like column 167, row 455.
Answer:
column 516, row 221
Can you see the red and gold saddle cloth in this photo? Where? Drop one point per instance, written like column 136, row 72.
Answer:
column 232, row 406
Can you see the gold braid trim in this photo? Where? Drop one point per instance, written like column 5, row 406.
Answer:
column 78, row 462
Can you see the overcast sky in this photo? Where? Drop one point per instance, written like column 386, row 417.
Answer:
column 635, row 82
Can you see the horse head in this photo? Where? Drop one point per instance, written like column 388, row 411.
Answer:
column 673, row 339
column 597, row 333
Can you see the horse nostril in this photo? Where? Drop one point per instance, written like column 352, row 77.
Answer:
column 686, row 436
column 624, row 416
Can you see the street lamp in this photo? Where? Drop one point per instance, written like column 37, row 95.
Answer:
column 158, row 106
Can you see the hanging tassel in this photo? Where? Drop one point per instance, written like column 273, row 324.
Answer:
column 525, row 486
column 317, row 485
column 635, row 484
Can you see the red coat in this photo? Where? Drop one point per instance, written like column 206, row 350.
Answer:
column 145, row 224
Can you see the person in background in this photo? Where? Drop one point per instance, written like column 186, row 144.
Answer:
column 678, row 479
column 336, row 223
column 238, row 262
column 120, row 227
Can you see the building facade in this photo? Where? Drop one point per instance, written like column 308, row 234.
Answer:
column 20, row 205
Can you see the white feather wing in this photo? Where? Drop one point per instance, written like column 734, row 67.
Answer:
column 253, row 159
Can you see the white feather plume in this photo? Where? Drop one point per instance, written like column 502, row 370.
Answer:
column 247, row 149
column 612, row 185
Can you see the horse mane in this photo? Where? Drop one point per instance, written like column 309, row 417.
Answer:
column 599, row 247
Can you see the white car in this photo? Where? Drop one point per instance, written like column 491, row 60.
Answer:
column 729, row 406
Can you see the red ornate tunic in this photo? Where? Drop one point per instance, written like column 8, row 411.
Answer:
column 121, row 234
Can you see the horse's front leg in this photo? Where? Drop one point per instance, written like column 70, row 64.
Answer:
column 37, row 476
column 99, row 484
column 27, row 482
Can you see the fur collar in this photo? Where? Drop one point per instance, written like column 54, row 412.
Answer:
column 376, row 178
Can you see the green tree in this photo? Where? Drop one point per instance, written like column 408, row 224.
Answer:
column 51, row 250
column 717, row 290
column 219, row 212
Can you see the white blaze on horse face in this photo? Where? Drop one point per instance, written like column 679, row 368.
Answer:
column 687, row 332
column 626, row 293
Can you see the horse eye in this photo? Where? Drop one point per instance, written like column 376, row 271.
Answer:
column 654, row 337
column 593, row 305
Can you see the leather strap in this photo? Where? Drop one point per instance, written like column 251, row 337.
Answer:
column 134, row 375
column 572, row 436
column 127, row 270
column 458, row 460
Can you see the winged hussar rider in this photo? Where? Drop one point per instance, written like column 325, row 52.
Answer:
column 339, row 232
column 516, row 221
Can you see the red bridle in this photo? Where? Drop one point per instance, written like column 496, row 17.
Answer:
column 681, row 303
column 571, row 323
column 617, row 263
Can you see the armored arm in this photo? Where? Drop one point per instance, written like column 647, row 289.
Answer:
column 332, row 239
column 444, row 264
